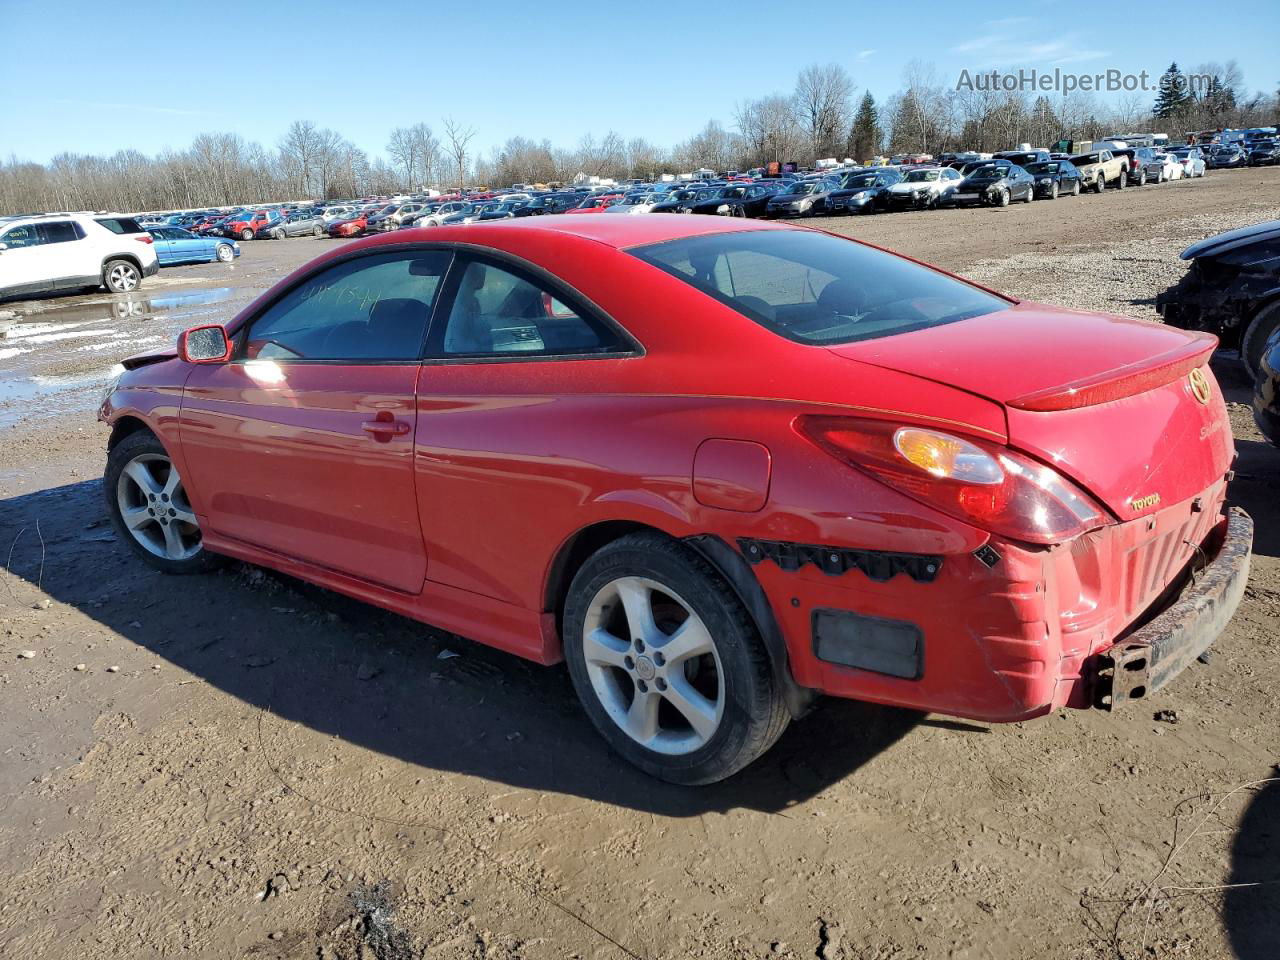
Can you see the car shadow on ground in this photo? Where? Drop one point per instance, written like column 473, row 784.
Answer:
column 388, row 684
column 1251, row 907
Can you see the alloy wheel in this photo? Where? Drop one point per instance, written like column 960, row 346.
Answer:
column 154, row 508
column 653, row 666
column 225, row 253
column 123, row 277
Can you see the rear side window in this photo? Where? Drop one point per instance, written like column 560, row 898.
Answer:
column 58, row 231
column 121, row 224
column 370, row 308
column 816, row 288
column 496, row 312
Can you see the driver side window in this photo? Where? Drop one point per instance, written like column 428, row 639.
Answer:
column 373, row 308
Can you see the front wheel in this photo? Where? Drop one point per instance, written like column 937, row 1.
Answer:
column 225, row 253
column 1053, row 190
column 1122, row 181
column 317, row 232
column 1075, row 188
column 246, row 234
column 1099, row 184
column 149, row 508
column 121, row 276
column 668, row 664
column 1003, row 199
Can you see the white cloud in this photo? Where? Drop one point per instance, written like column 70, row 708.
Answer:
column 864, row 54
column 1009, row 50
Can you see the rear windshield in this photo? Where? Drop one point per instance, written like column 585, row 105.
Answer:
column 816, row 288
column 121, row 224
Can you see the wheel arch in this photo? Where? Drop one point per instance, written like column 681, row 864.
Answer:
column 128, row 257
column 126, row 426
column 726, row 561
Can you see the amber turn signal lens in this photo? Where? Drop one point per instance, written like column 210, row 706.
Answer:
column 947, row 457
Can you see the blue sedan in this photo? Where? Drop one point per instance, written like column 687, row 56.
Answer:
column 175, row 245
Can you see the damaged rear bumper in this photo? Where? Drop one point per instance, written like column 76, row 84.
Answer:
column 1151, row 656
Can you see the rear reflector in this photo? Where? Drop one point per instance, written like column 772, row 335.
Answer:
column 1126, row 381
column 891, row 647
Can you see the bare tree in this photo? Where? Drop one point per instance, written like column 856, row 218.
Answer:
column 458, row 137
column 298, row 151
column 823, row 105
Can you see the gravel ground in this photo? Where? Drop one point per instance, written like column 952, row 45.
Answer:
column 238, row 765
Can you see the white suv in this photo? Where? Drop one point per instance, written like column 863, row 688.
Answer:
column 70, row 251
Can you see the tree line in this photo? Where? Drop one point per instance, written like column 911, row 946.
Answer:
column 821, row 116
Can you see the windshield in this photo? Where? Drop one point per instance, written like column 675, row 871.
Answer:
column 1084, row 159
column 816, row 288
column 922, row 176
column 806, row 188
column 989, row 173
column 731, row 193
column 1043, row 168
column 862, row 182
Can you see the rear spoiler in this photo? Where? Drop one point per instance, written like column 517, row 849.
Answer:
column 1125, row 381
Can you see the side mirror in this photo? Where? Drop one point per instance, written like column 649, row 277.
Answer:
column 206, row 344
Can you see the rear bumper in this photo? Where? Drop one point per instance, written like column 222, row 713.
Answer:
column 1150, row 657
column 152, row 268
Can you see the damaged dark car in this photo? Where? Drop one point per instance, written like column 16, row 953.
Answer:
column 1232, row 290
column 1266, row 394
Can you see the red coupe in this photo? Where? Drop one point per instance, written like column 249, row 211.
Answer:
column 718, row 467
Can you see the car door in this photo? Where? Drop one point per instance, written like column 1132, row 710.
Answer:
column 303, row 443
column 67, row 255
column 512, row 359
column 162, row 238
column 23, row 263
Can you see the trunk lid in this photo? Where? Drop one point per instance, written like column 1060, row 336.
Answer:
column 1125, row 408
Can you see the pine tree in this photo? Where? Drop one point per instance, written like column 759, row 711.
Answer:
column 866, row 136
column 1173, row 98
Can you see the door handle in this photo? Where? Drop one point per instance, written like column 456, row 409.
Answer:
column 385, row 427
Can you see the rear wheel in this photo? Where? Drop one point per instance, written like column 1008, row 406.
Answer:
column 148, row 505
column 668, row 664
column 121, row 276
column 1142, row 177
column 246, row 234
column 225, row 253
column 1256, row 335
column 317, row 231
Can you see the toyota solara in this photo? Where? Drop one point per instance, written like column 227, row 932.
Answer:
column 718, row 468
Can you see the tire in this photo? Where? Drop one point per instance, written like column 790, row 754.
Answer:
column 141, row 481
column 1031, row 195
column 1004, row 199
column 121, row 276
column 726, row 682
column 1053, row 190
column 317, row 231
column 1142, row 177
column 225, row 253
column 1099, row 184
column 1255, row 337
column 1160, row 176
column 1122, row 181
column 1075, row 188
column 246, row 234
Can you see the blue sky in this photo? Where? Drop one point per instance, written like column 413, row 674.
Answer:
column 657, row 71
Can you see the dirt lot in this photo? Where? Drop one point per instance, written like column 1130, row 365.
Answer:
column 241, row 766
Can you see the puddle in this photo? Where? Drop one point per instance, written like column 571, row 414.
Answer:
column 57, row 353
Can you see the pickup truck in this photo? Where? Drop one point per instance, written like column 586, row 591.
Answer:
column 1101, row 168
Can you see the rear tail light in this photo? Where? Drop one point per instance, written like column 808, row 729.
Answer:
column 987, row 485
column 144, row 238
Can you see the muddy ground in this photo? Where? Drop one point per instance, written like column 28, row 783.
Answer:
column 241, row 766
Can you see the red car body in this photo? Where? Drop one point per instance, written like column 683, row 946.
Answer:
column 245, row 227
column 473, row 512
column 597, row 204
column 352, row 227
